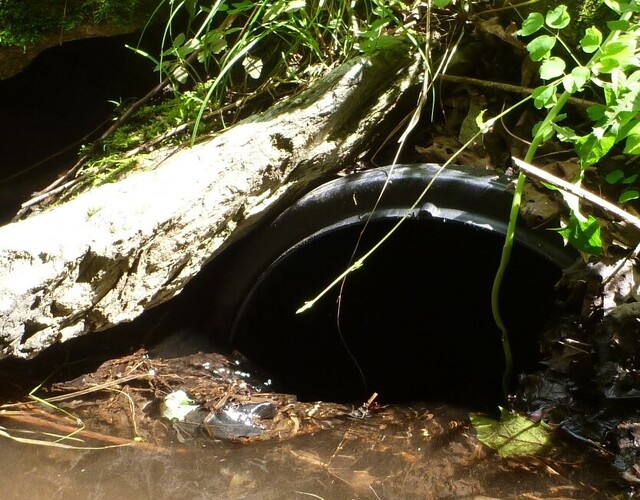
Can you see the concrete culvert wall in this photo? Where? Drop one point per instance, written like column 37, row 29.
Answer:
column 416, row 318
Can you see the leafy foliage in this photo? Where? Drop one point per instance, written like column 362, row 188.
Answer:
column 613, row 71
column 282, row 41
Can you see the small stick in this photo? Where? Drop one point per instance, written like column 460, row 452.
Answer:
column 505, row 87
column 71, row 430
column 578, row 191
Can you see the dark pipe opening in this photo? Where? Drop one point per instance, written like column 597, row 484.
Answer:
column 416, row 318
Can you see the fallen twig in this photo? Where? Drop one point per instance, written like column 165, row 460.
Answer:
column 505, row 87
column 46, row 420
column 578, row 191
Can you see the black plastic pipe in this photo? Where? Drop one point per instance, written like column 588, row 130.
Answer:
column 415, row 321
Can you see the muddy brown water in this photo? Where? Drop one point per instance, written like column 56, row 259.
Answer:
column 402, row 452
column 409, row 451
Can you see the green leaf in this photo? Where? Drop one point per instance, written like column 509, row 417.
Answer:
column 295, row 5
column 631, row 128
column 631, row 179
column 213, row 42
column 632, row 146
column 547, row 133
column 591, row 40
column 623, row 47
column 512, row 434
column 531, row 24
column 620, row 6
column 540, row 47
column 578, row 78
column 552, row 68
column 544, row 97
column 596, row 112
column 606, row 65
column 629, row 195
column 558, row 18
column 274, row 11
column 619, row 25
column 617, row 54
column 484, row 126
column 565, row 134
column 583, row 235
column 614, row 176
column 591, row 148
column 614, row 6
column 441, row 4
column 380, row 42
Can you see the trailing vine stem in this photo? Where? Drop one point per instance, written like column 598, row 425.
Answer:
column 509, row 237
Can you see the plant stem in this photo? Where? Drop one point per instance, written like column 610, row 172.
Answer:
column 515, row 210
column 508, row 241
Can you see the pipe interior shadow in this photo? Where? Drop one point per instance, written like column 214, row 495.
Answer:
column 415, row 319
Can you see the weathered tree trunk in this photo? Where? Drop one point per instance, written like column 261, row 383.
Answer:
column 111, row 253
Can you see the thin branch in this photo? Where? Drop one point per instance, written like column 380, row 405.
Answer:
column 578, row 191
column 505, row 87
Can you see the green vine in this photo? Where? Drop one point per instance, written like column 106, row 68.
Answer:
column 614, row 67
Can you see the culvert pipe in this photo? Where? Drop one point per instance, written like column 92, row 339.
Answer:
column 415, row 321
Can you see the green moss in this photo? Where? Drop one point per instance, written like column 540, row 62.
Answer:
column 114, row 159
column 24, row 23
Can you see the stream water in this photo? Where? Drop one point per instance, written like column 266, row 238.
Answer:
column 406, row 451
column 402, row 453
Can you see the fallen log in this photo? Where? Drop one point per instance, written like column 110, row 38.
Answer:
column 119, row 249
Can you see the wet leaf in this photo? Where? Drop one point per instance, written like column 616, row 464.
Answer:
column 178, row 405
column 512, row 434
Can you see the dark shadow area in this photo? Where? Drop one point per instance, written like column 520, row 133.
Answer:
column 56, row 101
column 416, row 318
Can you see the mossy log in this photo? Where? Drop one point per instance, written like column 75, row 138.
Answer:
column 109, row 254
